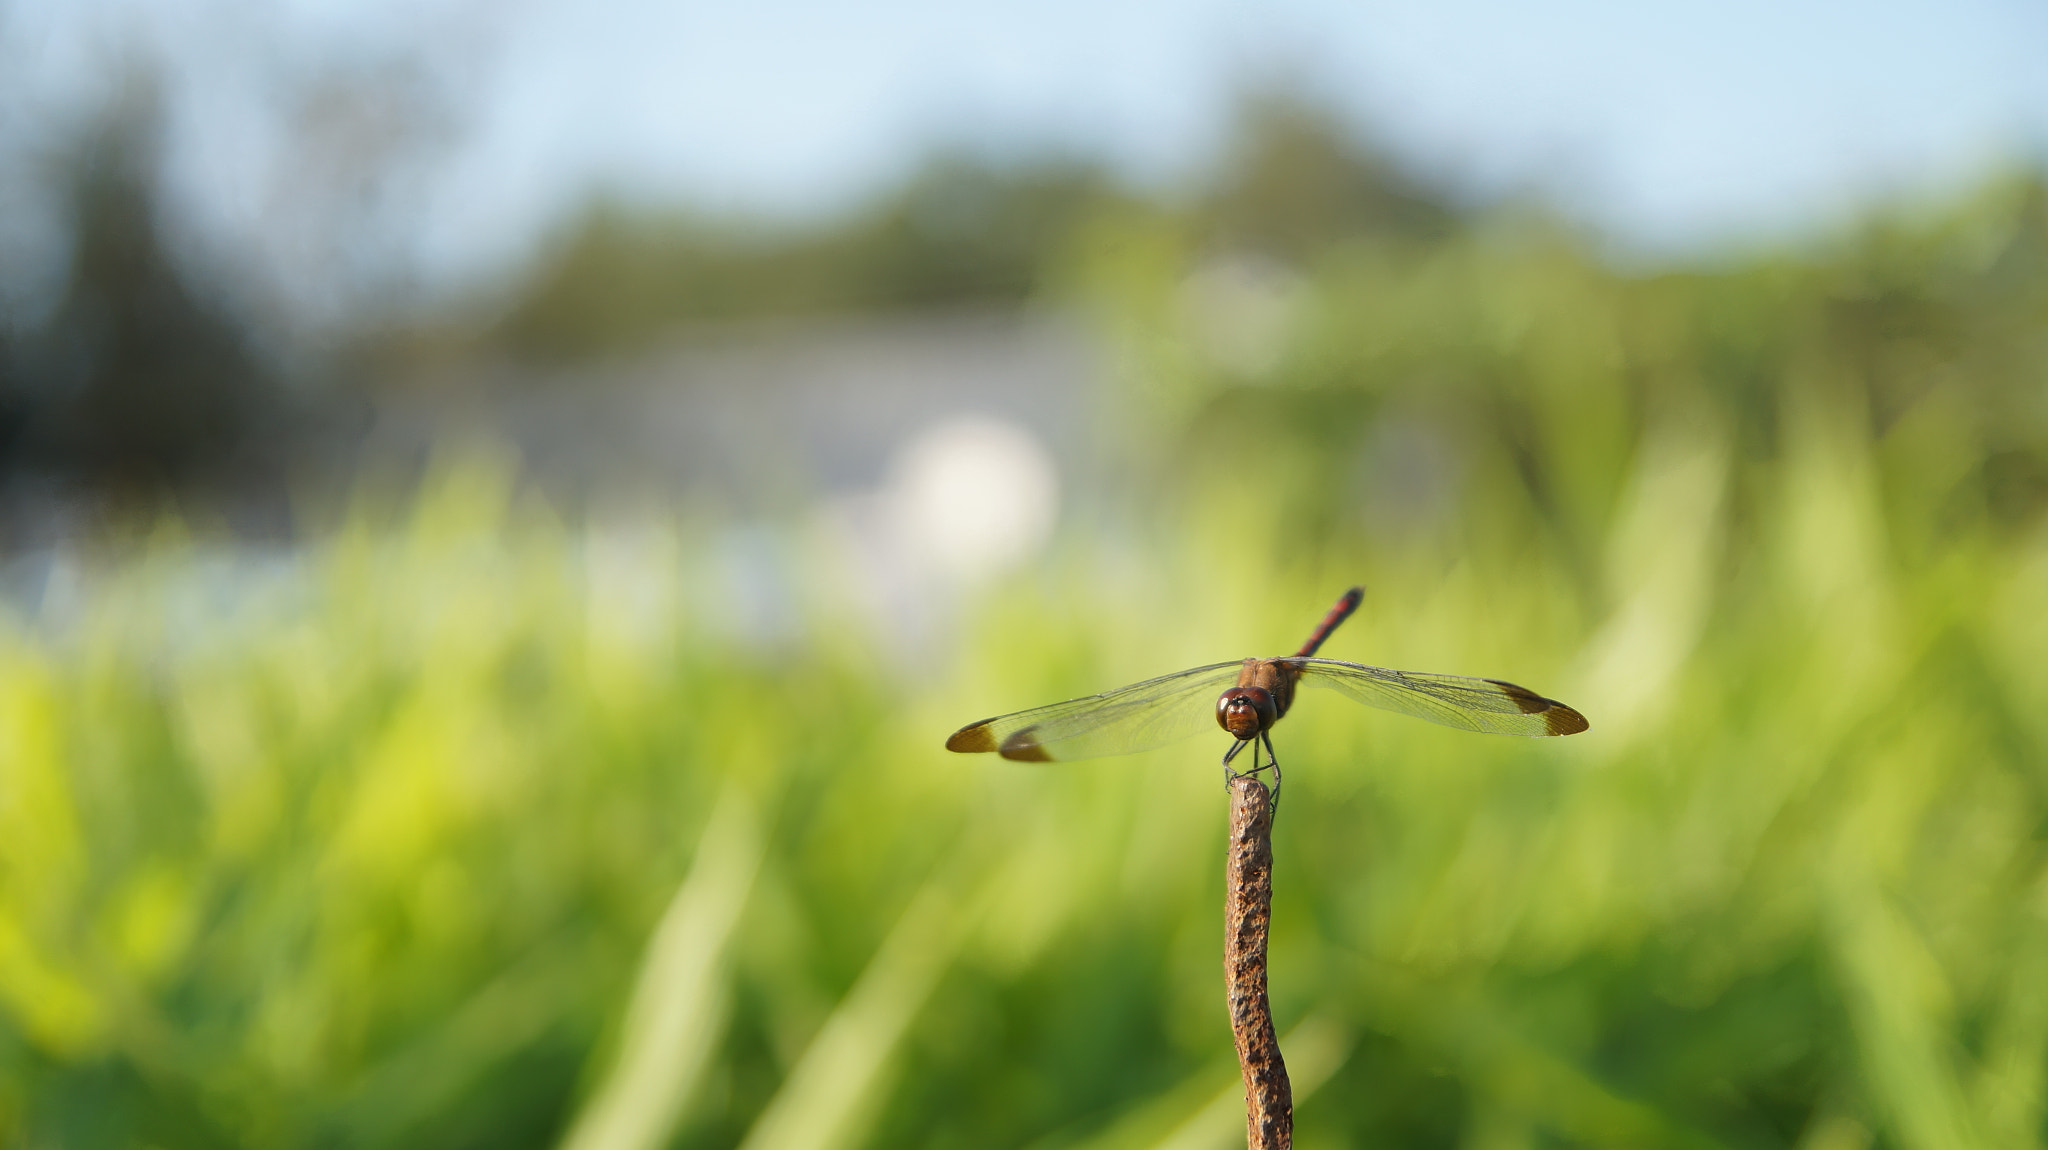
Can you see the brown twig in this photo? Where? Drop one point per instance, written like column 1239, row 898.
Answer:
column 1248, row 909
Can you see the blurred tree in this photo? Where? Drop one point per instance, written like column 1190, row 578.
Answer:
column 139, row 379
column 965, row 230
column 1296, row 179
column 961, row 230
column 1293, row 182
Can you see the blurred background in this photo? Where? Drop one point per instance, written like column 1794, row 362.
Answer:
column 501, row 504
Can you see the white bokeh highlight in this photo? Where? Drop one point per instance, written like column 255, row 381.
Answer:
column 972, row 497
column 962, row 500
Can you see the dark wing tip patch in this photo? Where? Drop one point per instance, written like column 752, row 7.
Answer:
column 977, row 738
column 1530, row 702
column 1562, row 720
column 1557, row 718
column 1023, row 747
column 972, row 739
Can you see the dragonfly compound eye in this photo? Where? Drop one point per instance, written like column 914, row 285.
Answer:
column 1245, row 711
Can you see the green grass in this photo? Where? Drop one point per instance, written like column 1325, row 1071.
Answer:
column 372, row 853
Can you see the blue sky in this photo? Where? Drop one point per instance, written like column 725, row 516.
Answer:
column 1671, row 124
column 1663, row 120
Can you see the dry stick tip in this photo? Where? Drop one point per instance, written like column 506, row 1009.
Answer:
column 1248, row 909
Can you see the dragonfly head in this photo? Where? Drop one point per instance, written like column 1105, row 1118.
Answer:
column 1245, row 711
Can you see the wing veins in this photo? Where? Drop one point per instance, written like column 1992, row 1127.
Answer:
column 1132, row 718
column 1488, row 706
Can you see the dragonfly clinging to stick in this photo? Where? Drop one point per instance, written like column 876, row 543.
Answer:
column 1256, row 693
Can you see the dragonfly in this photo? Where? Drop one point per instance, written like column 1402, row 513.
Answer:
column 1257, row 693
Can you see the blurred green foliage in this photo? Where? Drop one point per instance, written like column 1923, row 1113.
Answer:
column 963, row 229
column 467, row 826
column 967, row 228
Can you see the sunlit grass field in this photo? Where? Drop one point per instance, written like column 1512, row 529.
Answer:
column 474, row 828
column 470, row 825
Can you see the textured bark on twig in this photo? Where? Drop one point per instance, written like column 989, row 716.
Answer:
column 1248, row 909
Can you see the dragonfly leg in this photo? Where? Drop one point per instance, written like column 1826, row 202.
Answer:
column 1273, row 761
column 1230, row 775
column 1262, row 739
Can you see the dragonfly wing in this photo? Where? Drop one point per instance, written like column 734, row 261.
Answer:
column 1489, row 706
column 1129, row 719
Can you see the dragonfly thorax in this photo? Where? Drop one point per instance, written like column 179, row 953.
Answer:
column 1245, row 711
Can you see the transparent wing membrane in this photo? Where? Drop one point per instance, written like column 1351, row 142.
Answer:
column 1139, row 717
column 1489, row 706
